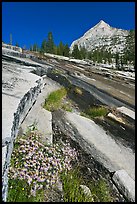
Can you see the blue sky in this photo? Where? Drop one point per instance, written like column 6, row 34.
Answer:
column 30, row 22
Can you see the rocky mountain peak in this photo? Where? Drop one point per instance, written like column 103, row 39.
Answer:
column 102, row 35
column 102, row 24
column 98, row 28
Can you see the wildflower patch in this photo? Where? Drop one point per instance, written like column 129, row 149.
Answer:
column 37, row 165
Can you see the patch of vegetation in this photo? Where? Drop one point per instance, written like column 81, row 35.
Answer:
column 71, row 187
column 54, row 100
column 74, row 193
column 57, row 100
column 78, row 91
column 18, row 191
column 95, row 112
column 67, row 107
column 100, row 191
column 35, row 167
column 57, row 71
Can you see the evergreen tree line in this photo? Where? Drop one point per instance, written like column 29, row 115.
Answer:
column 48, row 46
column 129, row 51
column 98, row 55
column 103, row 56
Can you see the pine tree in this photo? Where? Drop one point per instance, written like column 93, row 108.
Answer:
column 17, row 45
column 109, row 57
column 83, row 52
column 66, row 50
column 50, row 43
column 121, row 62
column 61, row 49
column 35, row 47
column 55, row 50
column 43, row 46
column 89, row 55
column 95, row 56
column 129, row 51
column 99, row 56
column 76, row 52
column 10, row 38
column 31, row 47
column 117, row 60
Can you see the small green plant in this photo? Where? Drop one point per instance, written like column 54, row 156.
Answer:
column 54, row 100
column 57, row 71
column 71, row 181
column 32, row 127
column 18, row 191
column 101, row 191
column 78, row 91
column 95, row 112
column 67, row 106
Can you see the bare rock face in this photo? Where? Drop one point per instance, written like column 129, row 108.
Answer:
column 125, row 184
column 15, row 48
column 102, row 35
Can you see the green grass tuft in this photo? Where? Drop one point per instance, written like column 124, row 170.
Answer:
column 57, row 71
column 78, row 91
column 73, row 193
column 67, row 107
column 18, row 191
column 71, row 181
column 54, row 100
column 100, row 191
column 95, row 112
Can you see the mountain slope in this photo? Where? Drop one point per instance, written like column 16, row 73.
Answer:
column 102, row 36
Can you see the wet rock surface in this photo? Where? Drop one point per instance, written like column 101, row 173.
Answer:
column 120, row 86
column 92, row 138
column 121, row 133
